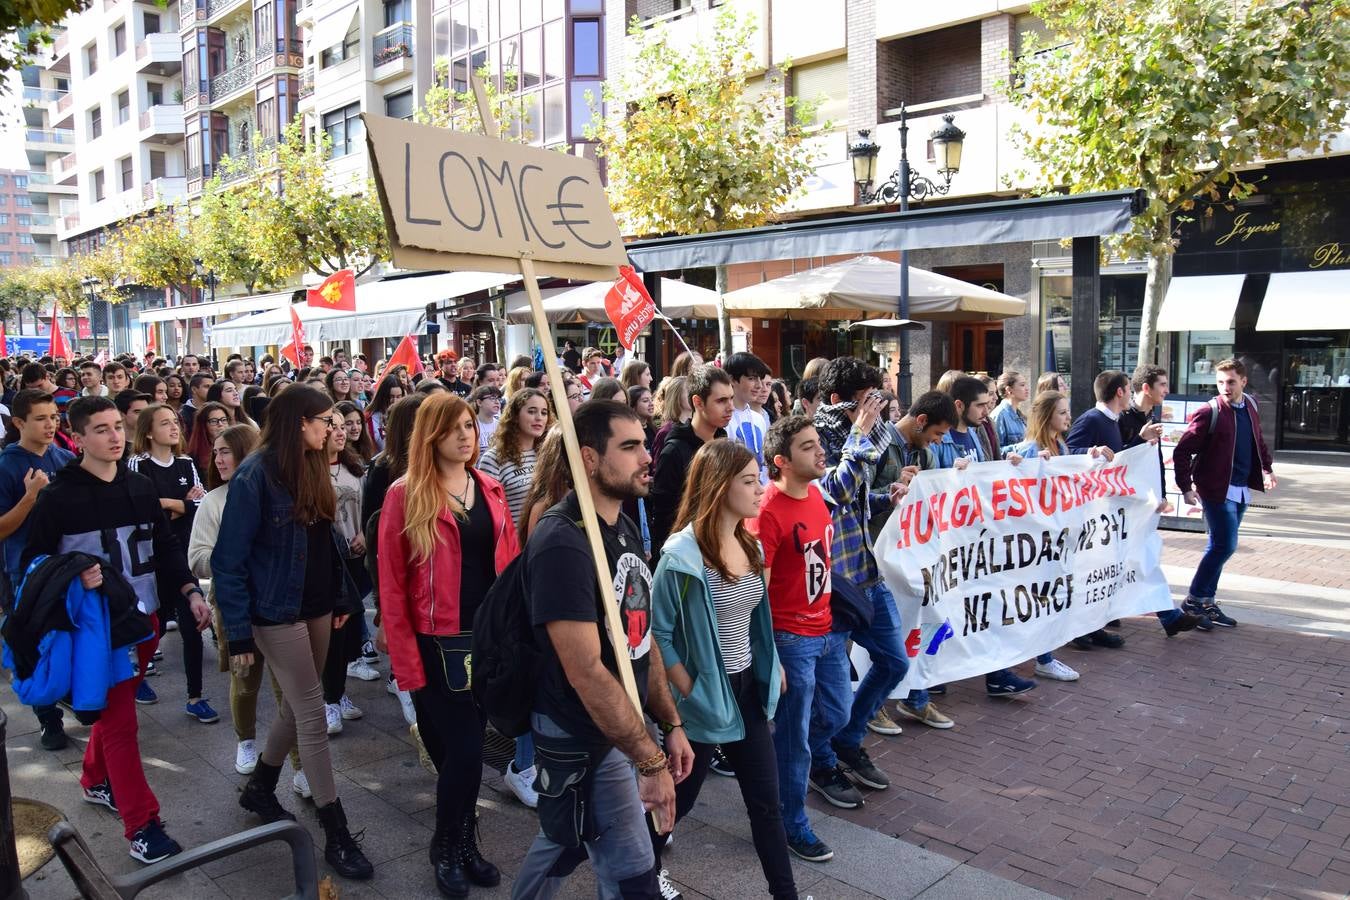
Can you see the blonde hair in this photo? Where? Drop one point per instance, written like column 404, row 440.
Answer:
column 423, row 497
column 145, row 422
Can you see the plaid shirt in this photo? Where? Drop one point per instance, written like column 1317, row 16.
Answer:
column 847, row 487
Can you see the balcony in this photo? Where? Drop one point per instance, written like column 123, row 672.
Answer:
column 391, row 51
column 71, row 222
column 190, row 12
column 217, row 9
column 37, row 96
column 159, row 54
column 65, row 169
column 233, row 79
column 61, row 54
column 306, row 84
column 164, row 190
column 51, row 139
column 164, row 120
column 44, row 224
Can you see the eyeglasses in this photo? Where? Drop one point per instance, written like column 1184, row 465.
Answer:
column 330, row 421
column 217, row 420
column 574, row 396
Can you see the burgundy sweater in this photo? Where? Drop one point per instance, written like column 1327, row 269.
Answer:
column 1204, row 458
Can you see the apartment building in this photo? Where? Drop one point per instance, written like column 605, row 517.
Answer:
column 44, row 145
column 17, row 244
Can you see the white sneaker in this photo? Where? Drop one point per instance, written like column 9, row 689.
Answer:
column 349, row 709
column 333, row 712
column 171, row 625
column 405, row 703
column 362, row 670
column 522, row 785
column 391, row 685
column 1056, row 671
column 668, row 890
column 245, row 758
column 300, row 784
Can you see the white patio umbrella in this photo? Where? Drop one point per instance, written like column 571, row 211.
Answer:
column 867, row 286
column 586, row 303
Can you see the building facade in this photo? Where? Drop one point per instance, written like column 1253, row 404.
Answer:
column 18, row 247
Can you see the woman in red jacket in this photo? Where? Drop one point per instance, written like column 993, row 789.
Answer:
column 445, row 535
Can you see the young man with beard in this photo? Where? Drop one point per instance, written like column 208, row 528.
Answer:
column 25, row 468
column 97, row 506
column 583, row 719
column 710, row 395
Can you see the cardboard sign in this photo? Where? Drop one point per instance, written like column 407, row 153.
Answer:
column 629, row 306
column 453, row 201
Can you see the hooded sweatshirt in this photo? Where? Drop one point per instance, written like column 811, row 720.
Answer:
column 119, row 521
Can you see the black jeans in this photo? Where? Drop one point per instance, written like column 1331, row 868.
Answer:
column 451, row 726
column 344, row 647
column 178, row 607
column 756, row 767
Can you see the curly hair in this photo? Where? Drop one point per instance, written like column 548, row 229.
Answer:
column 505, row 441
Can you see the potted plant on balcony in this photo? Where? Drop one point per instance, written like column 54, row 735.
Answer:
column 391, row 52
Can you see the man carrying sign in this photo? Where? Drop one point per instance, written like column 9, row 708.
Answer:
column 588, row 737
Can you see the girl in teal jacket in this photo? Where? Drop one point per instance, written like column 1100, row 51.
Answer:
column 711, row 619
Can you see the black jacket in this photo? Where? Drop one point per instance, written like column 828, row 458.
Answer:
column 118, row 521
column 668, row 477
column 42, row 608
column 1132, row 422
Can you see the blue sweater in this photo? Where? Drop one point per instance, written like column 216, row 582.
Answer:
column 1094, row 428
column 15, row 464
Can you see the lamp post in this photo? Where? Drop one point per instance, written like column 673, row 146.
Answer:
column 88, row 284
column 903, row 184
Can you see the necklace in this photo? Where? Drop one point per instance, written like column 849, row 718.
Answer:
column 461, row 499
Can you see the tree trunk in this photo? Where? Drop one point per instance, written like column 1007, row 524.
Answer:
column 723, row 321
column 1155, row 288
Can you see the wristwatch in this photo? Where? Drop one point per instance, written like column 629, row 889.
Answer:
column 187, row 595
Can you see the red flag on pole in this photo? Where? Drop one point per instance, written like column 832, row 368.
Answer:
column 629, row 306
column 152, row 342
column 338, row 291
column 4, row 340
column 292, row 350
column 406, row 355
column 59, row 349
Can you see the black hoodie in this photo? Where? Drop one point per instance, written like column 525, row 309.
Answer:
column 668, row 476
column 119, row 521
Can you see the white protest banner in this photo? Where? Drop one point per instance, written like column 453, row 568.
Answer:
column 998, row 563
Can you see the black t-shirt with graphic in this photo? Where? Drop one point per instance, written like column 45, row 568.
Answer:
column 561, row 579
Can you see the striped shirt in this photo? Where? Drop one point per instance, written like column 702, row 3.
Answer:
column 515, row 479
column 733, row 604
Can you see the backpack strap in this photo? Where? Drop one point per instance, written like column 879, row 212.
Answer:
column 1213, row 413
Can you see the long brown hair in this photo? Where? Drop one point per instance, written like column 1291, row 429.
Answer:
column 364, row 446
column 242, row 440
column 145, row 422
column 398, row 429
column 715, row 465
column 1038, row 425
column 506, row 439
column 551, row 481
column 303, row 473
column 423, row 496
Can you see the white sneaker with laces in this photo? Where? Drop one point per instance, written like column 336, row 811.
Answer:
column 668, row 890
column 246, row 758
column 333, row 712
column 362, row 670
column 405, row 703
column 522, row 785
column 1056, row 671
column 300, row 784
column 349, row 709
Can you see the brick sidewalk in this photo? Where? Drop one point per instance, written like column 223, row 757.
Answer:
column 1173, row 768
column 1267, row 558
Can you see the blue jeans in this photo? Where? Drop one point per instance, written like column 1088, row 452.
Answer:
column 524, row 752
column 884, row 641
column 1223, row 518
column 812, row 711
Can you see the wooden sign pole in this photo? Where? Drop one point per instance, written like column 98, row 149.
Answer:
column 618, row 635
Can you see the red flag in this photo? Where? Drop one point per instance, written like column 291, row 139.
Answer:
column 4, row 340
column 292, row 350
column 338, row 291
column 59, row 349
column 629, row 306
column 152, row 343
column 406, row 355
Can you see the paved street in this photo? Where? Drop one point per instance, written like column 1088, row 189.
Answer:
column 1207, row 765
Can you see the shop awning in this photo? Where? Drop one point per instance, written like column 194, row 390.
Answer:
column 332, row 29
column 999, row 222
column 1200, row 303
column 213, row 308
column 389, row 308
column 1306, row 301
column 568, row 306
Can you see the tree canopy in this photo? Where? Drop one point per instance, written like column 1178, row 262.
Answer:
column 1180, row 98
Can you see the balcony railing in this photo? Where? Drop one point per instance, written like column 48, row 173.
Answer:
column 63, row 103
column 51, row 136
column 306, row 83
column 166, row 187
column 42, row 219
column 232, row 79
column 36, row 177
column 71, row 222
column 66, row 163
column 393, row 43
column 216, row 7
column 61, row 45
column 42, row 95
column 194, row 173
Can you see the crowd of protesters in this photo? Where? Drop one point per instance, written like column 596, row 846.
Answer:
column 738, row 523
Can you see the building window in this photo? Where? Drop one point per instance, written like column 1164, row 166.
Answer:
column 23, row 201
column 4, row 218
column 98, row 185
column 21, row 181
column 156, row 164
column 151, row 23
column 6, row 259
column 119, row 39
column 586, row 51
column 345, row 129
column 4, row 237
column 24, row 219
column 154, row 94
column 91, row 59
column 4, row 180
column 26, row 239
column 396, row 11
column 123, row 107
column 95, row 123
column 824, row 84
column 127, row 183
column 399, row 106
column 348, row 49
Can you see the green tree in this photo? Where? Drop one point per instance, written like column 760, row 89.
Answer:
column 691, row 148
column 1178, row 97
column 240, row 232
column 445, row 107
column 25, row 30
column 156, row 250
column 20, row 289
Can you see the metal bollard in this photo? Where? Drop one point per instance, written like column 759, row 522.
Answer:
column 11, row 885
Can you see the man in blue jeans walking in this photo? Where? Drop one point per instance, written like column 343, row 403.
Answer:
column 1219, row 461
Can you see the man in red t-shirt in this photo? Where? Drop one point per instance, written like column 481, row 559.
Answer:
column 795, row 529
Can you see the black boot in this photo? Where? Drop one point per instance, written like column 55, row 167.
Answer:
column 451, row 879
column 340, row 849
column 480, row 871
column 260, row 794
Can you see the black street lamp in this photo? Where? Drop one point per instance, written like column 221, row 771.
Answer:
column 903, row 184
column 89, row 292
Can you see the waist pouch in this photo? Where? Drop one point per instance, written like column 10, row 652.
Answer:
column 565, row 773
column 448, row 661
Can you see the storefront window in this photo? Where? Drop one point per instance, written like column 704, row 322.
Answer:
column 1316, row 375
column 1197, row 352
column 1122, row 306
